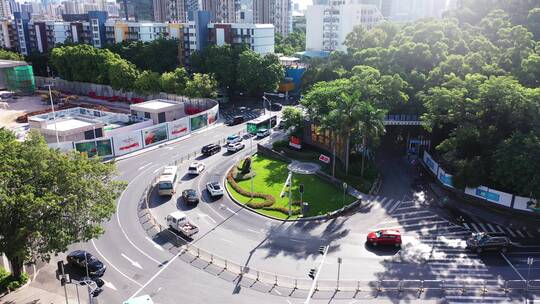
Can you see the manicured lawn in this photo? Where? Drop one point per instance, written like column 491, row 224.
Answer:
column 270, row 176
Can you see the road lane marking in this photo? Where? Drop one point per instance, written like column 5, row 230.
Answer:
column 520, row 234
column 134, row 263
column 529, row 234
column 122, row 228
column 110, row 285
column 511, row 232
column 154, row 243
column 112, row 265
column 411, row 219
column 206, row 216
column 297, row 241
column 512, row 265
column 144, row 166
column 466, row 226
column 228, row 241
column 483, row 227
column 157, row 170
column 475, row 227
column 491, row 227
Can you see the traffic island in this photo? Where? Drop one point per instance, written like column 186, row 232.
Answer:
column 265, row 190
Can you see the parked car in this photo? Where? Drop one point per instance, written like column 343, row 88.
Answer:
column 263, row 133
column 485, row 241
column 281, row 124
column 77, row 258
column 384, row 237
column 234, row 139
column 190, row 196
column 235, row 147
column 214, row 188
column 196, row 168
column 238, row 119
column 210, row 149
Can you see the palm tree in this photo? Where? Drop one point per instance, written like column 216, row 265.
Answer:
column 370, row 126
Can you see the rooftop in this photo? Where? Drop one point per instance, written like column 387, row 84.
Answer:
column 156, row 104
column 68, row 124
column 11, row 63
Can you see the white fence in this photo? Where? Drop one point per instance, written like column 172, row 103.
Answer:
column 482, row 192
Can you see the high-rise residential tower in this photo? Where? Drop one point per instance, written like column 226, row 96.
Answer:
column 276, row 12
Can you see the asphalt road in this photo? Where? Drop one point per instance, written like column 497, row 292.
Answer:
column 433, row 246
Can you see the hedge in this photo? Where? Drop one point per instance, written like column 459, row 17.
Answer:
column 8, row 282
column 269, row 200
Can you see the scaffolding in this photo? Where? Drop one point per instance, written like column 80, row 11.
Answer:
column 20, row 79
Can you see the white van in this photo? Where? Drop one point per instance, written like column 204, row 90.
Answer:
column 167, row 181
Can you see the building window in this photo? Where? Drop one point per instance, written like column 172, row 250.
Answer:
column 147, row 115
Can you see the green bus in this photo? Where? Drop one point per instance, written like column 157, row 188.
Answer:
column 266, row 122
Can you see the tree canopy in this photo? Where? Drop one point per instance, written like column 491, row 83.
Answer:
column 50, row 199
column 257, row 74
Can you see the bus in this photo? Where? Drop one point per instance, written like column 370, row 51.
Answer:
column 167, row 181
column 265, row 122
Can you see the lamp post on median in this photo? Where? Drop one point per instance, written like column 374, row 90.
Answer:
column 344, row 190
column 54, row 115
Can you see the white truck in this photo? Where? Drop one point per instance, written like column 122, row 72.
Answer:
column 178, row 221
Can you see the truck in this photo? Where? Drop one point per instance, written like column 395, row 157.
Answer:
column 178, row 222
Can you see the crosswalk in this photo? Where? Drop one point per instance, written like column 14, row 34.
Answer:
column 438, row 246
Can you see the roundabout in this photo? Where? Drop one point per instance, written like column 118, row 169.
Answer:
column 239, row 256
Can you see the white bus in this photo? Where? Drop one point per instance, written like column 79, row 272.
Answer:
column 167, row 180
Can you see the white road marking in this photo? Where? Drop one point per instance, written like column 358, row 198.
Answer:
column 156, row 171
column 122, row 228
column 112, row 265
column 135, row 264
column 206, row 216
column 491, row 228
column 394, row 207
column 228, row 241
column 382, row 202
column 144, row 166
column 511, row 232
column 158, row 273
column 512, row 265
column 475, row 227
column 298, row 241
column 466, row 226
column 254, row 231
column 520, row 234
column 110, row 285
column 411, row 219
column 528, row 234
column 154, row 243
column 483, row 227
column 500, row 228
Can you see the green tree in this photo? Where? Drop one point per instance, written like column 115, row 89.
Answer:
column 49, row 199
column 533, row 20
column 293, row 118
column 148, row 83
column 9, row 55
column 258, row 74
column 159, row 55
column 530, row 68
column 122, row 74
column 175, row 82
column 370, row 128
column 202, row 85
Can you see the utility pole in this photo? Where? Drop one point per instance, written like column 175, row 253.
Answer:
column 338, row 271
column 63, row 279
column 530, row 262
column 54, row 115
column 344, row 189
column 290, row 193
column 90, row 300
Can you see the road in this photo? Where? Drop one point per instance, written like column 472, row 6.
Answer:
column 433, row 247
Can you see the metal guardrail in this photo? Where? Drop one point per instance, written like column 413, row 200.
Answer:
column 267, row 281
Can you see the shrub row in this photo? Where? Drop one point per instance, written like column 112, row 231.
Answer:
column 283, row 210
column 7, row 281
column 269, row 200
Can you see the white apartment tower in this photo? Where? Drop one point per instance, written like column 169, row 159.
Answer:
column 339, row 17
column 276, row 12
column 5, row 13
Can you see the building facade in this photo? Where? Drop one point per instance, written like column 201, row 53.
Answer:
column 276, row 12
column 258, row 37
column 338, row 20
column 161, row 10
column 222, row 11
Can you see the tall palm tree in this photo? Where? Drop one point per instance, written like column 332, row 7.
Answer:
column 370, row 122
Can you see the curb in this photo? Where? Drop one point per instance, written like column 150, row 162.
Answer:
column 303, row 219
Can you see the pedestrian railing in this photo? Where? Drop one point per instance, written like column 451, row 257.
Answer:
column 267, row 282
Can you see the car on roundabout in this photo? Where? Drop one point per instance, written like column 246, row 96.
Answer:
column 190, row 196
column 214, row 188
column 235, row 147
column 262, row 133
column 384, row 237
column 488, row 241
column 82, row 259
column 210, row 149
column 195, row 168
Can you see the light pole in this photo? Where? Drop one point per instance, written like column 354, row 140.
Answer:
column 290, row 193
column 54, row 115
column 530, row 261
column 338, row 271
column 270, row 109
column 90, row 300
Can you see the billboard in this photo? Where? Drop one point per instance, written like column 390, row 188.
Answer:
column 492, row 195
column 127, row 143
column 154, row 135
column 198, row 121
column 212, row 115
column 430, row 163
column 527, row 204
column 445, row 178
column 178, row 128
column 101, row 147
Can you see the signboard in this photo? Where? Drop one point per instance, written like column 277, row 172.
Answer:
column 491, row 195
column 527, row 204
column 127, row 143
column 178, row 128
column 445, row 178
column 155, row 134
column 199, row 121
column 212, row 115
column 92, row 148
column 295, row 142
column 325, row 159
column 430, row 163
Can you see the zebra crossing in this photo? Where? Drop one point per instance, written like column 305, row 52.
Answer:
column 489, row 227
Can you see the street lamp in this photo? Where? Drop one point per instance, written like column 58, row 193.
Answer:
column 54, row 115
column 344, row 189
column 270, row 109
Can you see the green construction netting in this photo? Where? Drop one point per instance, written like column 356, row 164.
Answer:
column 20, row 79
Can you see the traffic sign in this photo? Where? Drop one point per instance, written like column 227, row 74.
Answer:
column 325, row 159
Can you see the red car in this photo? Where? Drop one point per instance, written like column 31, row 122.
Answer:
column 384, row 237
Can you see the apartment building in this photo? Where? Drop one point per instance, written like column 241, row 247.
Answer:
column 339, row 17
column 276, row 12
column 258, row 37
